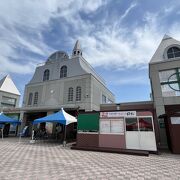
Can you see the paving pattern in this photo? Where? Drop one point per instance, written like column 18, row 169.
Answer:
column 45, row 160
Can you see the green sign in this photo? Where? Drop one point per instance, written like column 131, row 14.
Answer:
column 88, row 122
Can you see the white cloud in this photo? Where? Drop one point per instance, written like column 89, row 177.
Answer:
column 22, row 24
column 107, row 44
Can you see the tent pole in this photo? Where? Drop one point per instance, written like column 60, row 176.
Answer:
column 2, row 133
column 64, row 142
column 32, row 133
column 20, row 133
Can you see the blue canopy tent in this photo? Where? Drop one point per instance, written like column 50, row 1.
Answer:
column 7, row 120
column 60, row 117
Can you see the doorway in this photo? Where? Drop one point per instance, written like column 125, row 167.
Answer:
column 140, row 133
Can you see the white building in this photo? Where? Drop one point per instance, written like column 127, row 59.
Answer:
column 9, row 94
column 164, row 73
column 63, row 81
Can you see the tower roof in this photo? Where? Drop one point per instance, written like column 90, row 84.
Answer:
column 166, row 37
column 160, row 53
column 7, row 85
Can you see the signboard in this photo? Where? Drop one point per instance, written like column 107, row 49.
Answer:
column 118, row 114
column 175, row 120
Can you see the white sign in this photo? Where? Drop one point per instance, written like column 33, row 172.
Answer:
column 105, row 126
column 118, row 114
column 175, row 120
column 117, row 126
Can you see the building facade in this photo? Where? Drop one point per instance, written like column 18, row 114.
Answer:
column 164, row 74
column 63, row 81
column 9, row 99
column 9, row 94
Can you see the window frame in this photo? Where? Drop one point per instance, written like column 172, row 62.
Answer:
column 169, row 83
column 70, row 94
column 46, row 75
column 36, row 96
column 30, row 99
column 173, row 53
column 63, row 71
column 78, row 93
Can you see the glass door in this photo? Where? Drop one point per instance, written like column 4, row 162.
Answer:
column 132, row 133
column 140, row 134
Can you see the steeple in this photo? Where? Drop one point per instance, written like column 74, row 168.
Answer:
column 77, row 49
column 166, row 37
column 7, row 85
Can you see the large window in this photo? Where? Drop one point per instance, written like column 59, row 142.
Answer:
column 173, row 52
column 78, row 93
column 8, row 102
column 139, row 124
column 35, row 98
column 170, row 82
column 70, row 94
column 46, row 75
column 63, row 71
column 30, row 98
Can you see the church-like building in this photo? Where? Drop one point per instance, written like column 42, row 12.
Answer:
column 63, row 81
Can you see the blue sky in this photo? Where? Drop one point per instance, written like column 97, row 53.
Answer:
column 118, row 38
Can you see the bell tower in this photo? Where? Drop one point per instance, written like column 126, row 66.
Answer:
column 77, row 49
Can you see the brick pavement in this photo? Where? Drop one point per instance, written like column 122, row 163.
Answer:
column 52, row 161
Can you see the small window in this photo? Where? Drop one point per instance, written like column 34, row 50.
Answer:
column 103, row 99
column 46, row 75
column 173, row 52
column 78, row 93
column 70, row 94
column 30, row 98
column 74, row 52
column 131, row 124
column 63, row 71
column 145, row 124
column 35, row 98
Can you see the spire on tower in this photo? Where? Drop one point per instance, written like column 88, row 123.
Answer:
column 77, row 49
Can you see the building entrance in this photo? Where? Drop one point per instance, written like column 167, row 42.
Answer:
column 140, row 133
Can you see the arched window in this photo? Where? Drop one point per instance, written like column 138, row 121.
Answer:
column 46, row 75
column 78, row 93
column 173, row 52
column 30, row 98
column 70, row 94
column 63, row 72
column 36, row 98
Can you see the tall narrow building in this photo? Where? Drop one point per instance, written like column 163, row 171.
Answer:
column 164, row 73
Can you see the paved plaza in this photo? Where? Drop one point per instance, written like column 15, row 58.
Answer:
column 47, row 160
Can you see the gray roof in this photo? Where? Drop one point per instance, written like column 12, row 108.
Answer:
column 76, row 66
column 161, row 52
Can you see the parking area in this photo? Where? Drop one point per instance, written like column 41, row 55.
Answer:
column 45, row 160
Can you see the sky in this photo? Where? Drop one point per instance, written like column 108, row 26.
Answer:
column 118, row 38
